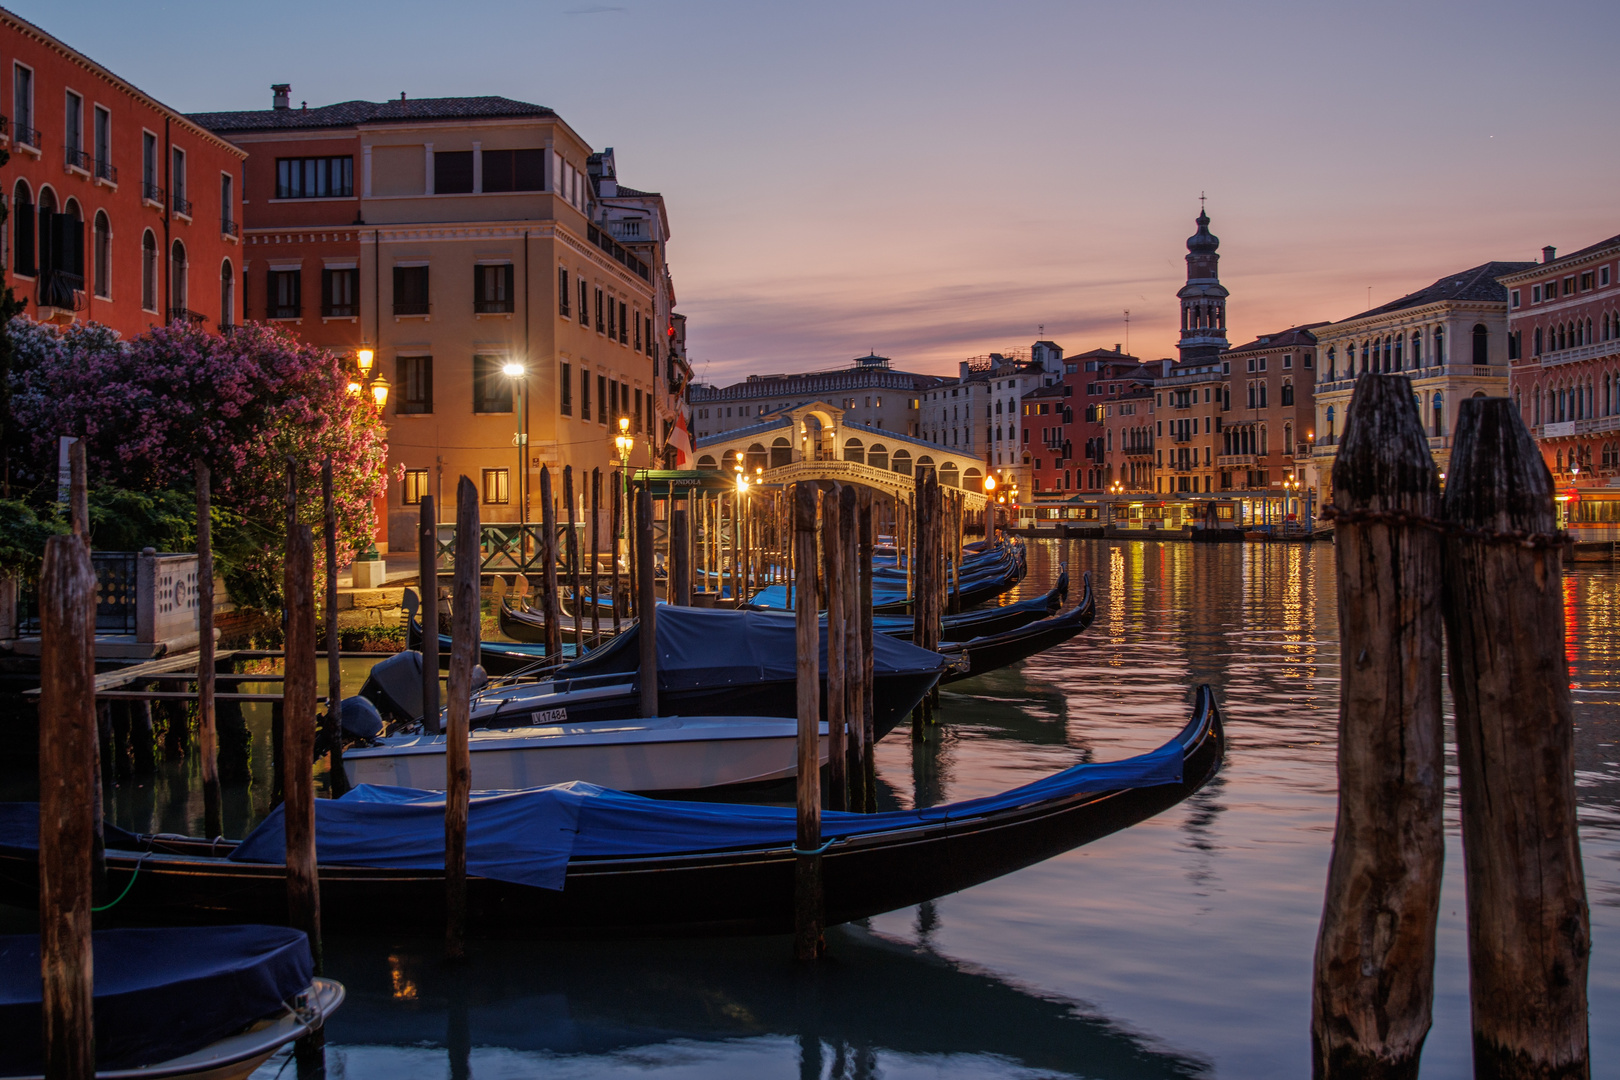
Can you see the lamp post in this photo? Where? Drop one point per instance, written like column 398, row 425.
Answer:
column 989, row 506
column 624, row 443
column 520, row 381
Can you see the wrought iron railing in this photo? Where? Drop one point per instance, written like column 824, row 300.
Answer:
column 115, row 595
column 229, row 227
column 412, row 307
column 152, row 192
column 79, row 159
column 28, row 136
column 186, row 315
column 181, row 205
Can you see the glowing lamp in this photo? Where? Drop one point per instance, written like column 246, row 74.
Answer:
column 355, row 388
column 364, row 359
column 379, row 391
column 512, row 370
column 989, row 483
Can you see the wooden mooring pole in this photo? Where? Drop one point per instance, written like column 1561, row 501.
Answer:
column 1529, row 932
column 464, row 634
column 833, row 566
column 298, row 737
column 428, row 539
column 571, row 553
column 618, row 525
column 596, row 542
column 548, row 566
column 207, row 738
column 334, row 670
column 868, row 724
column 79, row 514
column 646, row 604
column 850, row 615
column 1374, row 970
column 680, row 552
column 68, row 795
column 808, row 943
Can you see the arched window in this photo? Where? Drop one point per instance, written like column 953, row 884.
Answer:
column 103, row 260
column 728, row 461
column 973, row 480
column 878, row 456
column 1399, row 343
column 1364, row 358
column 1535, row 397
column 1439, row 414
column 1482, row 344
column 1560, row 460
column 1440, row 345
column 902, row 461
column 706, row 462
column 1330, row 421
column 854, row 450
column 179, row 302
column 948, row 474
column 1288, row 392
column 925, row 464
column 781, row 453
column 22, row 230
column 1417, row 348
column 1331, row 359
column 756, row 459
column 1387, row 356
column 149, row 270
column 1538, row 341
column 227, row 295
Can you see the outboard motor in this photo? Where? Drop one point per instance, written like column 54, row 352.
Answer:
column 359, row 721
column 394, row 686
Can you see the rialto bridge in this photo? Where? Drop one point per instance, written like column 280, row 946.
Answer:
column 813, row 442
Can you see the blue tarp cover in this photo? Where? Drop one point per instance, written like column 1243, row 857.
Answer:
column 158, row 993
column 528, row 836
column 700, row 647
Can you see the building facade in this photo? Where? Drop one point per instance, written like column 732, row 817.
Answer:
column 457, row 242
column 1067, row 439
column 1449, row 338
column 1266, row 432
column 869, row 391
column 1564, row 349
column 122, row 211
column 1203, row 298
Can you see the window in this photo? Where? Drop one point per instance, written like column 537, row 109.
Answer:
column 150, row 188
column 411, row 290
column 584, row 395
column 22, row 103
column 1288, row 393
column 338, row 286
column 624, row 330
column 1481, row 344
column 492, row 389
column 613, row 319
column 73, row 132
column 1535, row 294
column 638, row 331
column 227, row 203
column 315, row 177
column 452, row 174
column 1288, row 362
column 495, row 487
column 1569, row 285
column 284, row 299
column 415, row 375
column 637, row 411
column 103, row 257
column 1513, row 298
column 514, row 170
column 1603, row 277
column 1586, row 281
column 584, row 307
column 602, row 403
column 562, row 292
column 177, row 182
column 103, row 145
column 177, row 282
column 149, row 271
column 414, row 487
column 227, row 295
column 493, row 288
column 600, row 324
column 650, row 350
column 565, row 388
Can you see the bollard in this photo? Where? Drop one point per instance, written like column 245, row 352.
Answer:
column 1374, row 970
column 1529, row 930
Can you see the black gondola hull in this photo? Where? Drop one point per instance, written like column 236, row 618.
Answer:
column 740, row 892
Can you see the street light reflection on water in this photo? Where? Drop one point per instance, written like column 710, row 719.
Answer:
column 1181, row 947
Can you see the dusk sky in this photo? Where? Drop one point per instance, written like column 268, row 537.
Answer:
column 937, row 180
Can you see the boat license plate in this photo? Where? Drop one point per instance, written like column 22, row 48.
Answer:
column 549, row 716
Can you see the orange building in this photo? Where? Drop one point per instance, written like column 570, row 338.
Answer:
column 122, row 211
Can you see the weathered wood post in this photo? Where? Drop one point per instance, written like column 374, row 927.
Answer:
column 1529, row 932
column 596, row 547
column 78, row 491
column 298, row 736
column 1374, row 980
column 572, row 552
column 680, row 549
column 868, row 723
column 850, row 615
column 548, row 566
column 464, row 635
column 207, row 740
column 807, row 896
column 618, row 526
column 68, row 795
column 334, row 670
column 832, row 569
column 79, row 504
column 736, row 548
column 428, row 561
column 647, row 604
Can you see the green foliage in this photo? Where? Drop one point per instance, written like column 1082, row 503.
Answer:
column 22, row 538
column 123, row 520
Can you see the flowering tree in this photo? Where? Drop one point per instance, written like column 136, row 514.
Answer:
column 246, row 404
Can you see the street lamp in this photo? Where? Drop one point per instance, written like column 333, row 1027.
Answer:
column 379, row 392
column 623, row 442
column 520, row 379
column 364, row 359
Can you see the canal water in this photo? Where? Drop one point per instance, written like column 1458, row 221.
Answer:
column 1179, row 948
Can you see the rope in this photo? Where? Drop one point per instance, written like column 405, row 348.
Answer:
column 131, row 885
column 797, row 850
column 1515, row 537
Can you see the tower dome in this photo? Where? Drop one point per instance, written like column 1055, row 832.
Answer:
column 1203, row 241
column 1203, row 298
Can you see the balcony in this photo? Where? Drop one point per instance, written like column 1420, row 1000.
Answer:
column 339, row 311
column 5, row 127
column 180, row 205
column 1228, row 461
column 412, row 307
column 150, row 192
column 284, row 311
column 1139, row 450
column 27, row 136
column 227, row 227
column 78, row 160
column 493, row 307
column 60, row 295
column 186, row 315
column 1582, row 352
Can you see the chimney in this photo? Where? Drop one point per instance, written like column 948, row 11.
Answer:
column 283, row 95
column 1116, row 346
column 1549, row 253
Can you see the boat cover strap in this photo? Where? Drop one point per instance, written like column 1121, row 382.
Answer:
column 159, row 993
column 528, row 836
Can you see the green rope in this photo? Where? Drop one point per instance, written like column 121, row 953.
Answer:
column 128, row 887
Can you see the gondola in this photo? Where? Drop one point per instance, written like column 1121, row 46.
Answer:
column 191, row 1003
column 889, row 596
column 995, row 651
column 497, row 657
column 710, row 663
column 573, row 859
column 526, row 625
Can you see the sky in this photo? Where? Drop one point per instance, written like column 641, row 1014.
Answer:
column 938, row 180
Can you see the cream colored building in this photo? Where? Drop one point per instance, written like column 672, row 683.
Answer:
column 1450, row 339
column 454, row 237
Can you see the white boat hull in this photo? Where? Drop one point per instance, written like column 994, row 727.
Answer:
column 667, row 753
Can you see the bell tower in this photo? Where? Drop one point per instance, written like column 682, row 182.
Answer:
column 1203, row 298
